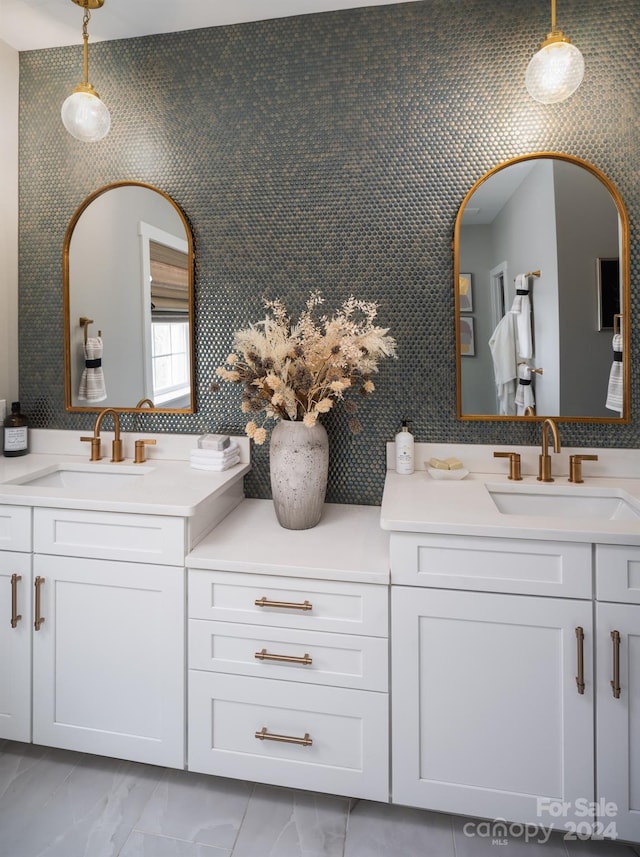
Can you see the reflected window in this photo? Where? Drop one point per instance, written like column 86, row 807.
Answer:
column 170, row 360
column 169, row 323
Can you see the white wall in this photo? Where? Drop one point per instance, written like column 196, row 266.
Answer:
column 8, row 222
column 478, row 384
column 587, row 221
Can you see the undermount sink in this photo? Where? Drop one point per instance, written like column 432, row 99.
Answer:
column 556, row 502
column 89, row 476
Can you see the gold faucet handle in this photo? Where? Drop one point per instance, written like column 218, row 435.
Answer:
column 96, row 452
column 575, row 466
column 514, row 464
column 139, row 450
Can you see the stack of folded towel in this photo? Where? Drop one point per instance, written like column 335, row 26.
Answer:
column 219, row 455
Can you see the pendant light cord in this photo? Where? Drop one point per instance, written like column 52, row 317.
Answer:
column 85, row 35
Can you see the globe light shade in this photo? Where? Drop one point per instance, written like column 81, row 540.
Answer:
column 555, row 72
column 86, row 117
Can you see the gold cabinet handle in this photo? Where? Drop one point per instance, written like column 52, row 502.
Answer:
column 15, row 616
column 264, row 735
column 38, row 619
column 289, row 659
column 289, row 605
column 580, row 642
column 615, row 683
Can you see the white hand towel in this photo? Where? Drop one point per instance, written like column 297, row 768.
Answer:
column 521, row 308
column 216, row 466
column 503, row 352
column 216, row 454
column 615, row 390
column 92, row 387
column 524, row 393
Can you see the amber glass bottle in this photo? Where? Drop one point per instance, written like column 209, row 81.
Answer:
column 16, row 433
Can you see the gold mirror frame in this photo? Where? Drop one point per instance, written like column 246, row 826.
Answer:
column 625, row 302
column 142, row 406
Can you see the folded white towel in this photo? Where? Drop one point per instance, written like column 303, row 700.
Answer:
column 521, row 308
column 615, row 390
column 524, row 393
column 216, row 454
column 217, row 466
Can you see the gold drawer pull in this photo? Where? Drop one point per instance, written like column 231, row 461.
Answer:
column 15, row 616
column 615, row 684
column 580, row 676
column 289, row 659
column 289, row 605
column 39, row 619
column 263, row 735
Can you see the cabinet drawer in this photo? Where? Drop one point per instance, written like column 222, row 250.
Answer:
column 110, row 535
column 316, row 657
column 525, row 566
column 347, row 731
column 346, row 608
column 15, row 528
column 618, row 573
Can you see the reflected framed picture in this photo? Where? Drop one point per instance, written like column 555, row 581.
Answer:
column 467, row 339
column 608, row 285
column 465, row 294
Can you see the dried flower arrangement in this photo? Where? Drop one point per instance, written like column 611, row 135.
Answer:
column 298, row 371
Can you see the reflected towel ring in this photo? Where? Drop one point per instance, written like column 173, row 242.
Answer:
column 85, row 322
column 529, row 274
column 617, row 323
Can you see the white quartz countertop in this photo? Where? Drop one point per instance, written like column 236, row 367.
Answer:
column 168, row 487
column 348, row 544
column 419, row 503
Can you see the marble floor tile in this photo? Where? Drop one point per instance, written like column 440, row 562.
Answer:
column 478, row 838
column 22, row 765
column 287, row 823
column 382, row 830
column 197, row 808
column 149, row 845
column 89, row 814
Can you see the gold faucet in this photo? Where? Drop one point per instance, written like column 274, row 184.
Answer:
column 116, row 449
column 544, row 472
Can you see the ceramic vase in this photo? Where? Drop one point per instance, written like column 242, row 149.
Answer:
column 298, row 463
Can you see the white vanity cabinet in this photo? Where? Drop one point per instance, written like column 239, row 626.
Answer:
column 108, row 639
column 618, row 685
column 15, row 623
column 487, row 716
column 288, row 671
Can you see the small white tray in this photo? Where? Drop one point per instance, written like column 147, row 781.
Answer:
column 453, row 475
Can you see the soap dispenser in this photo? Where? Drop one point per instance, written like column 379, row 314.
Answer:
column 404, row 450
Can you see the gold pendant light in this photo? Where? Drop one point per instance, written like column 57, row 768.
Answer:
column 556, row 71
column 84, row 115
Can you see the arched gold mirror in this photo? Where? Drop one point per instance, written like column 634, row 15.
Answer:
column 553, row 228
column 128, row 302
